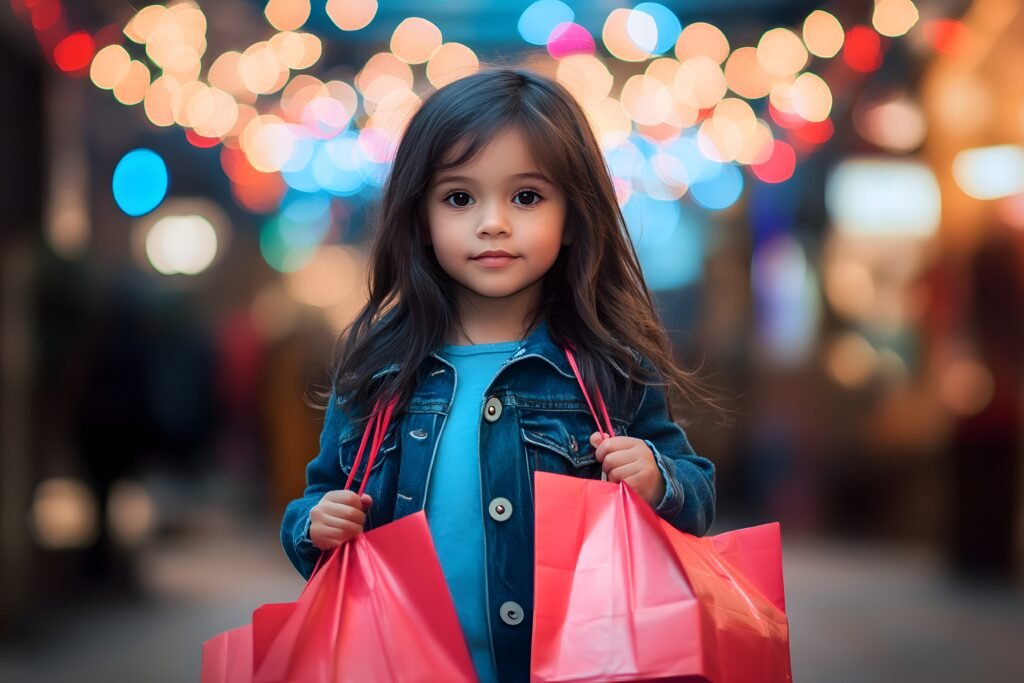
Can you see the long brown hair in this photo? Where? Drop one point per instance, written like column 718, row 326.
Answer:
column 594, row 296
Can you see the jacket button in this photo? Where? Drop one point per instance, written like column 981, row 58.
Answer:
column 418, row 434
column 512, row 613
column 492, row 409
column 500, row 509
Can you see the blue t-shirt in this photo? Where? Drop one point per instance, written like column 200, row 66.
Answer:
column 453, row 506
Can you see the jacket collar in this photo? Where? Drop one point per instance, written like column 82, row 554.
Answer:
column 537, row 344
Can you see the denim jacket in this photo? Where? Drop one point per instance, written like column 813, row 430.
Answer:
column 535, row 419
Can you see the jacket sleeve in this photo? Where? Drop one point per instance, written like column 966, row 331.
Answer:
column 323, row 474
column 689, row 500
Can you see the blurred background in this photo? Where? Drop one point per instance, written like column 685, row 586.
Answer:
column 827, row 199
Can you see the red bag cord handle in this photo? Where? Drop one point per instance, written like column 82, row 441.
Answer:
column 378, row 426
column 600, row 400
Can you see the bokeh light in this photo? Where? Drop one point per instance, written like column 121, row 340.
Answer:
column 65, row 514
column 704, row 40
column 653, row 27
column 109, row 67
column 181, row 244
column 617, row 39
column 140, row 182
column 894, row 17
column 990, row 172
column 781, row 52
column 351, row 15
column 862, row 50
column 451, row 62
column 570, row 39
column 415, row 40
column 74, row 53
column 883, row 198
column 539, row 19
column 287, row 15
column 823, row 34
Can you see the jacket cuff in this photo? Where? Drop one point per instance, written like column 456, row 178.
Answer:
column 671, row 503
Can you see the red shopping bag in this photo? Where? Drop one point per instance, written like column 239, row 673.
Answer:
column 621, row 595
column 376, row 610
column 227, row 657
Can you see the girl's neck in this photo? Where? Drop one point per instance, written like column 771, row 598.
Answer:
column 489, row 320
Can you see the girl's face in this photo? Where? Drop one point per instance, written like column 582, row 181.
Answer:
column 499, row 201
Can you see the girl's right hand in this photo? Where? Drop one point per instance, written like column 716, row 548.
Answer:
column 337, row 518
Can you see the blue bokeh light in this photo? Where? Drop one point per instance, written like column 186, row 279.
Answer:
column 140, row 182
column 719, row 191
column 667, row 23
column 539, row 19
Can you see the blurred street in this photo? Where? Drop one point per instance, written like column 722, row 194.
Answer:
column 857, row 613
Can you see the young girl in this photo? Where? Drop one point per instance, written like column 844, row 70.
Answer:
column 500, row 243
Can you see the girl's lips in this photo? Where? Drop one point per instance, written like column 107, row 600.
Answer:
column 494, row 261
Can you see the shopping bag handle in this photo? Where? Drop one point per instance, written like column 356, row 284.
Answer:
column 378, row 426
column 609, row 432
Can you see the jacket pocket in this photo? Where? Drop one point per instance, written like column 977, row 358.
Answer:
column 559, row 441
column 348, row 447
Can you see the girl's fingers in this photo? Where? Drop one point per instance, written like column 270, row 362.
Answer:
column 613, row 444
column 624, row 472
column 337, row 512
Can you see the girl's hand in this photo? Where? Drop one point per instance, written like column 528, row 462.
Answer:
column 337, row 518
column 624, row 458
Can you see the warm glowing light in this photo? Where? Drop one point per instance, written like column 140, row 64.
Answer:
column 894, row 17
column 75, row 52
column 267, row 143
column 850, row 288
column 990, row 172
column 966, row 386
column 586, row 77
column 702, row 40
column 811, row 97
column 618, row 40
column 183, row 245
column 382, row 74
column 64, row 514
column 746, row 77
column 415, row 40
column 158, row 102
column 897, row 125
column 261, row 69
column 646, row 100
column 131, row 512
column 611, row 124
column 332, row 275
column 109, row 67
column 133, row 87
column 704, row 79
column 781, row 52
column 287, row 15
column 451, row 62
column 823, row 34
column 851, row 360
column 297, row 50
column 758, row 147
column 351, row 15
column 224, row 74
column 144, row 23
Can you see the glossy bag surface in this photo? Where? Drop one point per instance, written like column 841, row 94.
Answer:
column 620, row 595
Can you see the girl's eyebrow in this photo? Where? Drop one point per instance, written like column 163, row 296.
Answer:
column 529, row 175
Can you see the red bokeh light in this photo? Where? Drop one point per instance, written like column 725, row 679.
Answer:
column 779, row 167
column 200, row 141
column 74, row 52
column 947, row 36
column 862, row 50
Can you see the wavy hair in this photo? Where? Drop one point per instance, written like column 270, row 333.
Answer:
column 594, row 296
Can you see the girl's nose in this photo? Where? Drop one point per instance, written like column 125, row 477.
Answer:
column 494, row 221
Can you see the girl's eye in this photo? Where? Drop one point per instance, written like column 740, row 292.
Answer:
column 458, row 199
column 528, row 197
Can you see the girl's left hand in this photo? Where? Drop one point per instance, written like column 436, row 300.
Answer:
column 624, row 458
